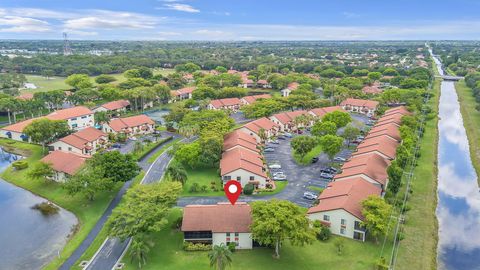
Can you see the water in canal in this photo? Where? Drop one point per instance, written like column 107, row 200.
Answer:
column 28, row 240
column 458, row 209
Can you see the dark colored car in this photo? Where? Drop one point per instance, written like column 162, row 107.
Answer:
column 314, row 160
column 116, row 145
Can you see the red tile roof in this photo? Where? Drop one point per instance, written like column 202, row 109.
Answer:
column 389, row 129
column 382, row 144
column 395, row 118
column 289, row 117
column 346, row 195
column 258, row 124
column 252, row 99
column 224, row 102
column 293, row 86
column 219, row 218
column 372, row 165
column 237, row 137
column 25, row 96
column 263, row 82
column 115, row 105
column 372, row 89
column 19, row 126
column 360, row 103
column 118, row 124
column 66, row 114
column 66, row 162
column 401, row 109
column 81, row 138
column 241, row 159
column 322, row 111
column 183, row 91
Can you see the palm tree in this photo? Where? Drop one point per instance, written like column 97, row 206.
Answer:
column 139, row 250
column 220, row 257
column 177, row 172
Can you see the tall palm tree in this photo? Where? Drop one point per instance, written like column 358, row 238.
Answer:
column 177, row 172
column 139, row 250
column 220, row 257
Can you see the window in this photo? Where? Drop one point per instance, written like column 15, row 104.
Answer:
column 239, row 178
column 326, row 217
column 227, row 177
column 73, row 119
column 69, row 148
column 59, row 148
column 344, row 221
column 252, row 178
column 342, row 230
column 228, row 234
column 83, row 117
column 74, row 125
column 236, row 234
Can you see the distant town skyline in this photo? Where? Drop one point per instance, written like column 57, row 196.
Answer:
column 240, row 20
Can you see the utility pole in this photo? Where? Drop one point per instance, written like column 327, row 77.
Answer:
column 66, row 45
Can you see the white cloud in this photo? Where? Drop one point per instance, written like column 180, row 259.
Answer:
column 181, row 7
column 103, row 19
column 166, row 33
column 16, row 24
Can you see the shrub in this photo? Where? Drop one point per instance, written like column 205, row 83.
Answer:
column 194, row 188
column 248, row 189
column 339, row 245
column 323, row 232
column 178, row 223
column 381, row 264
column 46, row 208
column 20, row 164
column 187, row 246
column 231, row 246
column 203, row 188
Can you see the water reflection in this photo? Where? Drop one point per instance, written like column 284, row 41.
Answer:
column 458, row 210
column 28, row 240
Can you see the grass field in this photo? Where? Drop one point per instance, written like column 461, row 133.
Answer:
column 202, row 177
column 471, row 119
column 167, row 254
column 87, row 212
column 419, row 248
column 307, row 159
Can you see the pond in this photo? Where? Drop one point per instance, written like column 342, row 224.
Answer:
column 28, row 239
column 458, row 209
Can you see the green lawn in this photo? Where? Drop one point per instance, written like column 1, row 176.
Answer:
column 167, row 254
column 43, row 84
column 165, row 147
column 87, row 212
column 148, row 147
column 280, row 185
column 307, row 159
column 471, row 118
column 203, row 176
column 316, row 189
column 418, row 249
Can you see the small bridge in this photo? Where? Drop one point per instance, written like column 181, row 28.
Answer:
column 449, row 78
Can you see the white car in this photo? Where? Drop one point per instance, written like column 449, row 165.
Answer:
column 280, row 177
column 340, row 159
column 275, row 166
column 309, row 196
column 133, row 138
column 278, row 173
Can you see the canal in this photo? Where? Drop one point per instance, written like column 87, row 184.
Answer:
column 28, row 239
column 458, row 209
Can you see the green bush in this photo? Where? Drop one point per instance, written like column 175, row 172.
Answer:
column 194, row 188
column 323, row 232
column 248, row 189
column 231, row 246
column 20, row 164
column 187, row 246
column 46, row 208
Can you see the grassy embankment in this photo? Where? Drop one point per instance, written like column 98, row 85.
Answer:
column 419, row 248
column 471, row 118
column 307, row 159
column 87, row 212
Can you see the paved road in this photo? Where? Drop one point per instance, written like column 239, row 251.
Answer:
column 101, row 222
column 112, row 250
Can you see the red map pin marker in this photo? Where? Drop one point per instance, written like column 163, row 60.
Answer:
column 233, row 189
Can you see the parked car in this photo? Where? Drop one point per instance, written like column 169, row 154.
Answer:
column 278, row 173
column 329, row 170
column 281, row 138
column 360, row 138
column 156, row 132
column 280, row 177
column 309, row 196
column 326, row 175
column 269, row 149
column 339, row 159
column 288, row 135
column 275, row 166
column 133, row 138
column 300, row 131
column 116, row 145
column 275, row 142
column 314, row 159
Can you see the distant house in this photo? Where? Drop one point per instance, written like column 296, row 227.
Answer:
column 373, row 89
column 240, row 140
column 290, row 87
column 188, row 78
column 85, row 142
column 251, row 99
column 181, row 94
column 263, row 84
column 77, row 118
column 254, row 128
column 116, row 106
column 133, row 125
column 363, row 106
column 25, row 96
column 371, row 167
column 286, row 120
column 222, row 223
column 64, row 164
column 243, row 166
column 340, row 207
column 225, row 104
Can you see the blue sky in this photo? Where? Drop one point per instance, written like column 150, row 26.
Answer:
column 240, row 20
